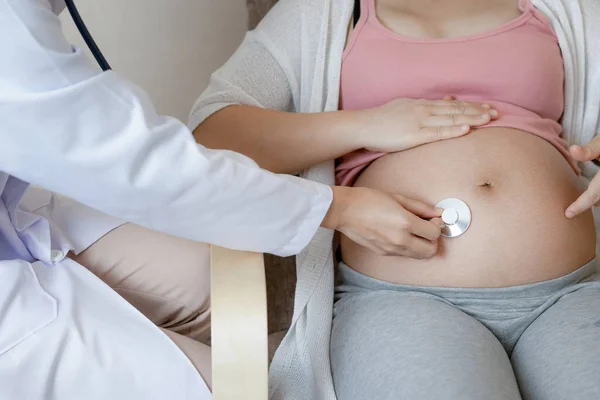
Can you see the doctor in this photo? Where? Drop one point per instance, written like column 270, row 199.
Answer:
column 96, row 138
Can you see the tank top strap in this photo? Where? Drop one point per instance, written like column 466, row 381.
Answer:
column 363, row 11
column 537, row 14
column 525, row 5
column 369, row 9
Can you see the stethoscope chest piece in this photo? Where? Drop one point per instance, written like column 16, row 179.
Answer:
column 456, row 217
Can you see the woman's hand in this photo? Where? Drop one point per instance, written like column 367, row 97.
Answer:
column 591, row 197
column 406, row 123
column 390, row 225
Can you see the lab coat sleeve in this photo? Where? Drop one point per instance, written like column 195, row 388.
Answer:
column 73, row 226
column 96, row 138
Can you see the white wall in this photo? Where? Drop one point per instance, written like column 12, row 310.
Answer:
column 169, row 47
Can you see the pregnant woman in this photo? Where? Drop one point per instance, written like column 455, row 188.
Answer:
column 507, row 310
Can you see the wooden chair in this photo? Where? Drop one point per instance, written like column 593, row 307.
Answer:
column 240, row 322
column 239, row 325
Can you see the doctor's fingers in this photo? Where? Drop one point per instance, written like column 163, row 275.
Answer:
column 417, row 207
column 587, row 200
column 417, row 248
column 411, row 224
column 429, row 230
column 587, row 152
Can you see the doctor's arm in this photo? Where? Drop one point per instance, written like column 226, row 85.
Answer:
column 96, row 138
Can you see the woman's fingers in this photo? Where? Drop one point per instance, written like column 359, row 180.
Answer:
column 450, row 101
column 587, row 152
column 587, row 200
column 451, row 106
column 434, row 134
column 451, row 125
column 454, row 120
column 459, row 108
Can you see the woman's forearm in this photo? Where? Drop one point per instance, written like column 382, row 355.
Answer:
column 282, row 142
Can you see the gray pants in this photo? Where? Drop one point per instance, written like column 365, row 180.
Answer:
column 535, row 342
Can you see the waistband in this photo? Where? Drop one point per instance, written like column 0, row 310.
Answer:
column 350, row 277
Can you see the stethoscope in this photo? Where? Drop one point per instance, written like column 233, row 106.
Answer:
column 87, row 37
column 456, row 216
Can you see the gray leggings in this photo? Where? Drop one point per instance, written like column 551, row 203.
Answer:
column 535, row 342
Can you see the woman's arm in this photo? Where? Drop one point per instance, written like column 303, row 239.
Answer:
column 282, row 142
column 250, row 105
column 285, row 142
column 262, row 83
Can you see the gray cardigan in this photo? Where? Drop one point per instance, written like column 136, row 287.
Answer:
column 291, row 62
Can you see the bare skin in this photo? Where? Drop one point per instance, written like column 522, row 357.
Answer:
column 519, row 234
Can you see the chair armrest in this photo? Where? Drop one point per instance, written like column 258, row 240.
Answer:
column 239, row 325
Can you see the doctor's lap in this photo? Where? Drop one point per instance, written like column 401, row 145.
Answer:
column 165, row 277
column 66, row 335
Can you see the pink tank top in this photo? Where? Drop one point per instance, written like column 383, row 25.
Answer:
column 516, row 67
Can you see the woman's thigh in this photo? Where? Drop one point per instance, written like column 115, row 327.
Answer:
column 165, row 277
column 390, row 345
column 558, row 356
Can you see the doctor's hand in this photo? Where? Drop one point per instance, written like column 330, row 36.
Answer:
column 388, row 224
column 591, row 197
column 406, row 123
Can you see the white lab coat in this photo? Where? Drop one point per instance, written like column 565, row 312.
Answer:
column 96, row 138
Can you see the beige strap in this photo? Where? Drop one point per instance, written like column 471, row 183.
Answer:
column 239, row 325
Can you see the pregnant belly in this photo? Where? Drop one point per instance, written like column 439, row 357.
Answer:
column 518, row 187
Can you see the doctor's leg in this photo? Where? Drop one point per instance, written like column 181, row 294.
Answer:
column 198, row 353
column 164, row 277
